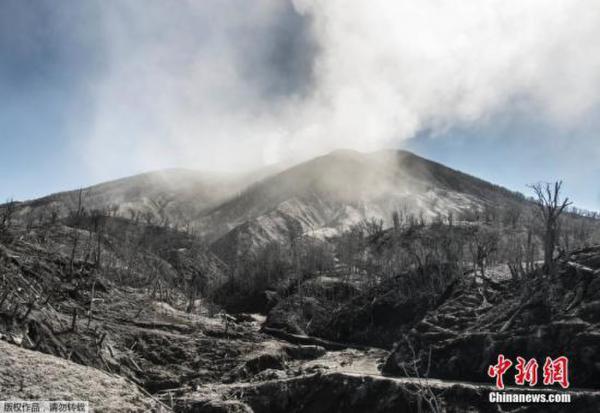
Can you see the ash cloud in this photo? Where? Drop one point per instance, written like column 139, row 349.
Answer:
column 233, row 84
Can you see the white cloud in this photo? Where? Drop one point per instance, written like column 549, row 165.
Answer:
column 413, row 64
column 186, row 81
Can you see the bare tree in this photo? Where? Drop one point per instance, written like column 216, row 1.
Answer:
column 396, row 221
column 423, row 391
column 512, row 215
column 75, row 217
column 98, row 224
column 373, row 227
column 551, row 207
column 483, row 244
column 6, row 215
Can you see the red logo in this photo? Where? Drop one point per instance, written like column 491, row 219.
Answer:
column 527, row 372
column 499, row 369
column 555, row 371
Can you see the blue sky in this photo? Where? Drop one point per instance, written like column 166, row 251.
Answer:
column 517, row 150
column 93, row 91
column 43, row 71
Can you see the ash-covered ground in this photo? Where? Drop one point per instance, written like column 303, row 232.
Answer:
column 284, row 305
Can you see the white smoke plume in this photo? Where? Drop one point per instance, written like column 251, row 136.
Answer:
column 233, row 84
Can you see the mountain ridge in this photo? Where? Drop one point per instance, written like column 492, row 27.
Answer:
column 318, row 197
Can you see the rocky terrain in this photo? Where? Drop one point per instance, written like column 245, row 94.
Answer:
column 354, row 282
column 538, row 317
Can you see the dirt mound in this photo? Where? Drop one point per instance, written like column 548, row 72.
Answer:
column 27, row 374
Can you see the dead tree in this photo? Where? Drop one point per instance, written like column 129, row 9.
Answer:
column 396, row 221
column 421, row 388
column 75, row 216
column 98, row 222
column 91, row 309
column 6, row 215
column 551, row 207
column 483, row 244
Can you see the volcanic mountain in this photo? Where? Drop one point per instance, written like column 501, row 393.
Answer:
column 174, row 197
column 318, row 197
column 332, row 192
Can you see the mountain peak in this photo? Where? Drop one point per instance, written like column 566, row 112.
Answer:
column 336, row 189
column 345, row 152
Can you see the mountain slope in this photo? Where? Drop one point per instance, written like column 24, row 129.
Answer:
column 173, row 196
column 319, row 197
column 332, row 192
